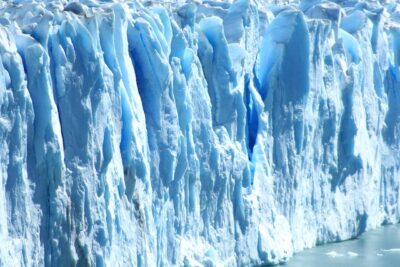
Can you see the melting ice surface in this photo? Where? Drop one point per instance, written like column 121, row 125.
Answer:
column 380, row 247
column 204, row 133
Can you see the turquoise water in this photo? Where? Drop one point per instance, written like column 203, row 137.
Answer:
column 376, row 248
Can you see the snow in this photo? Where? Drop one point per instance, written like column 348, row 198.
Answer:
column 197, row 133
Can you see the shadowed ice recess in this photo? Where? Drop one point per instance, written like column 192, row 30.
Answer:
column 198, row 133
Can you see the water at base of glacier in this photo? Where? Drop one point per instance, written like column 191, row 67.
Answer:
column 377, row 248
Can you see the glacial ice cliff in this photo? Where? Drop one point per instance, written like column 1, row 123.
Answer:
column 199, row 134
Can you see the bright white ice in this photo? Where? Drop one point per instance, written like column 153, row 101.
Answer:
column 203, row 133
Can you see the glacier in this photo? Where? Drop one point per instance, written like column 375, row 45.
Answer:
column 195, row 133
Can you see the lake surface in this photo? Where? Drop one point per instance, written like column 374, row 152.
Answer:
column 376, row 248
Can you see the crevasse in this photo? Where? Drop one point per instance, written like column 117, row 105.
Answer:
column 200, row 133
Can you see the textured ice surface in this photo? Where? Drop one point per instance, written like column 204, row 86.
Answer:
column 200, row 133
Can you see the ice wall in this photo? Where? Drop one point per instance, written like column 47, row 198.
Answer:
column 200, row 133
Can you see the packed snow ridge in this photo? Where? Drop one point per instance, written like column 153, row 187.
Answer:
column 198, row 134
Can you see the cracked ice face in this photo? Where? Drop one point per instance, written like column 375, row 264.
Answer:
column 202, row 133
